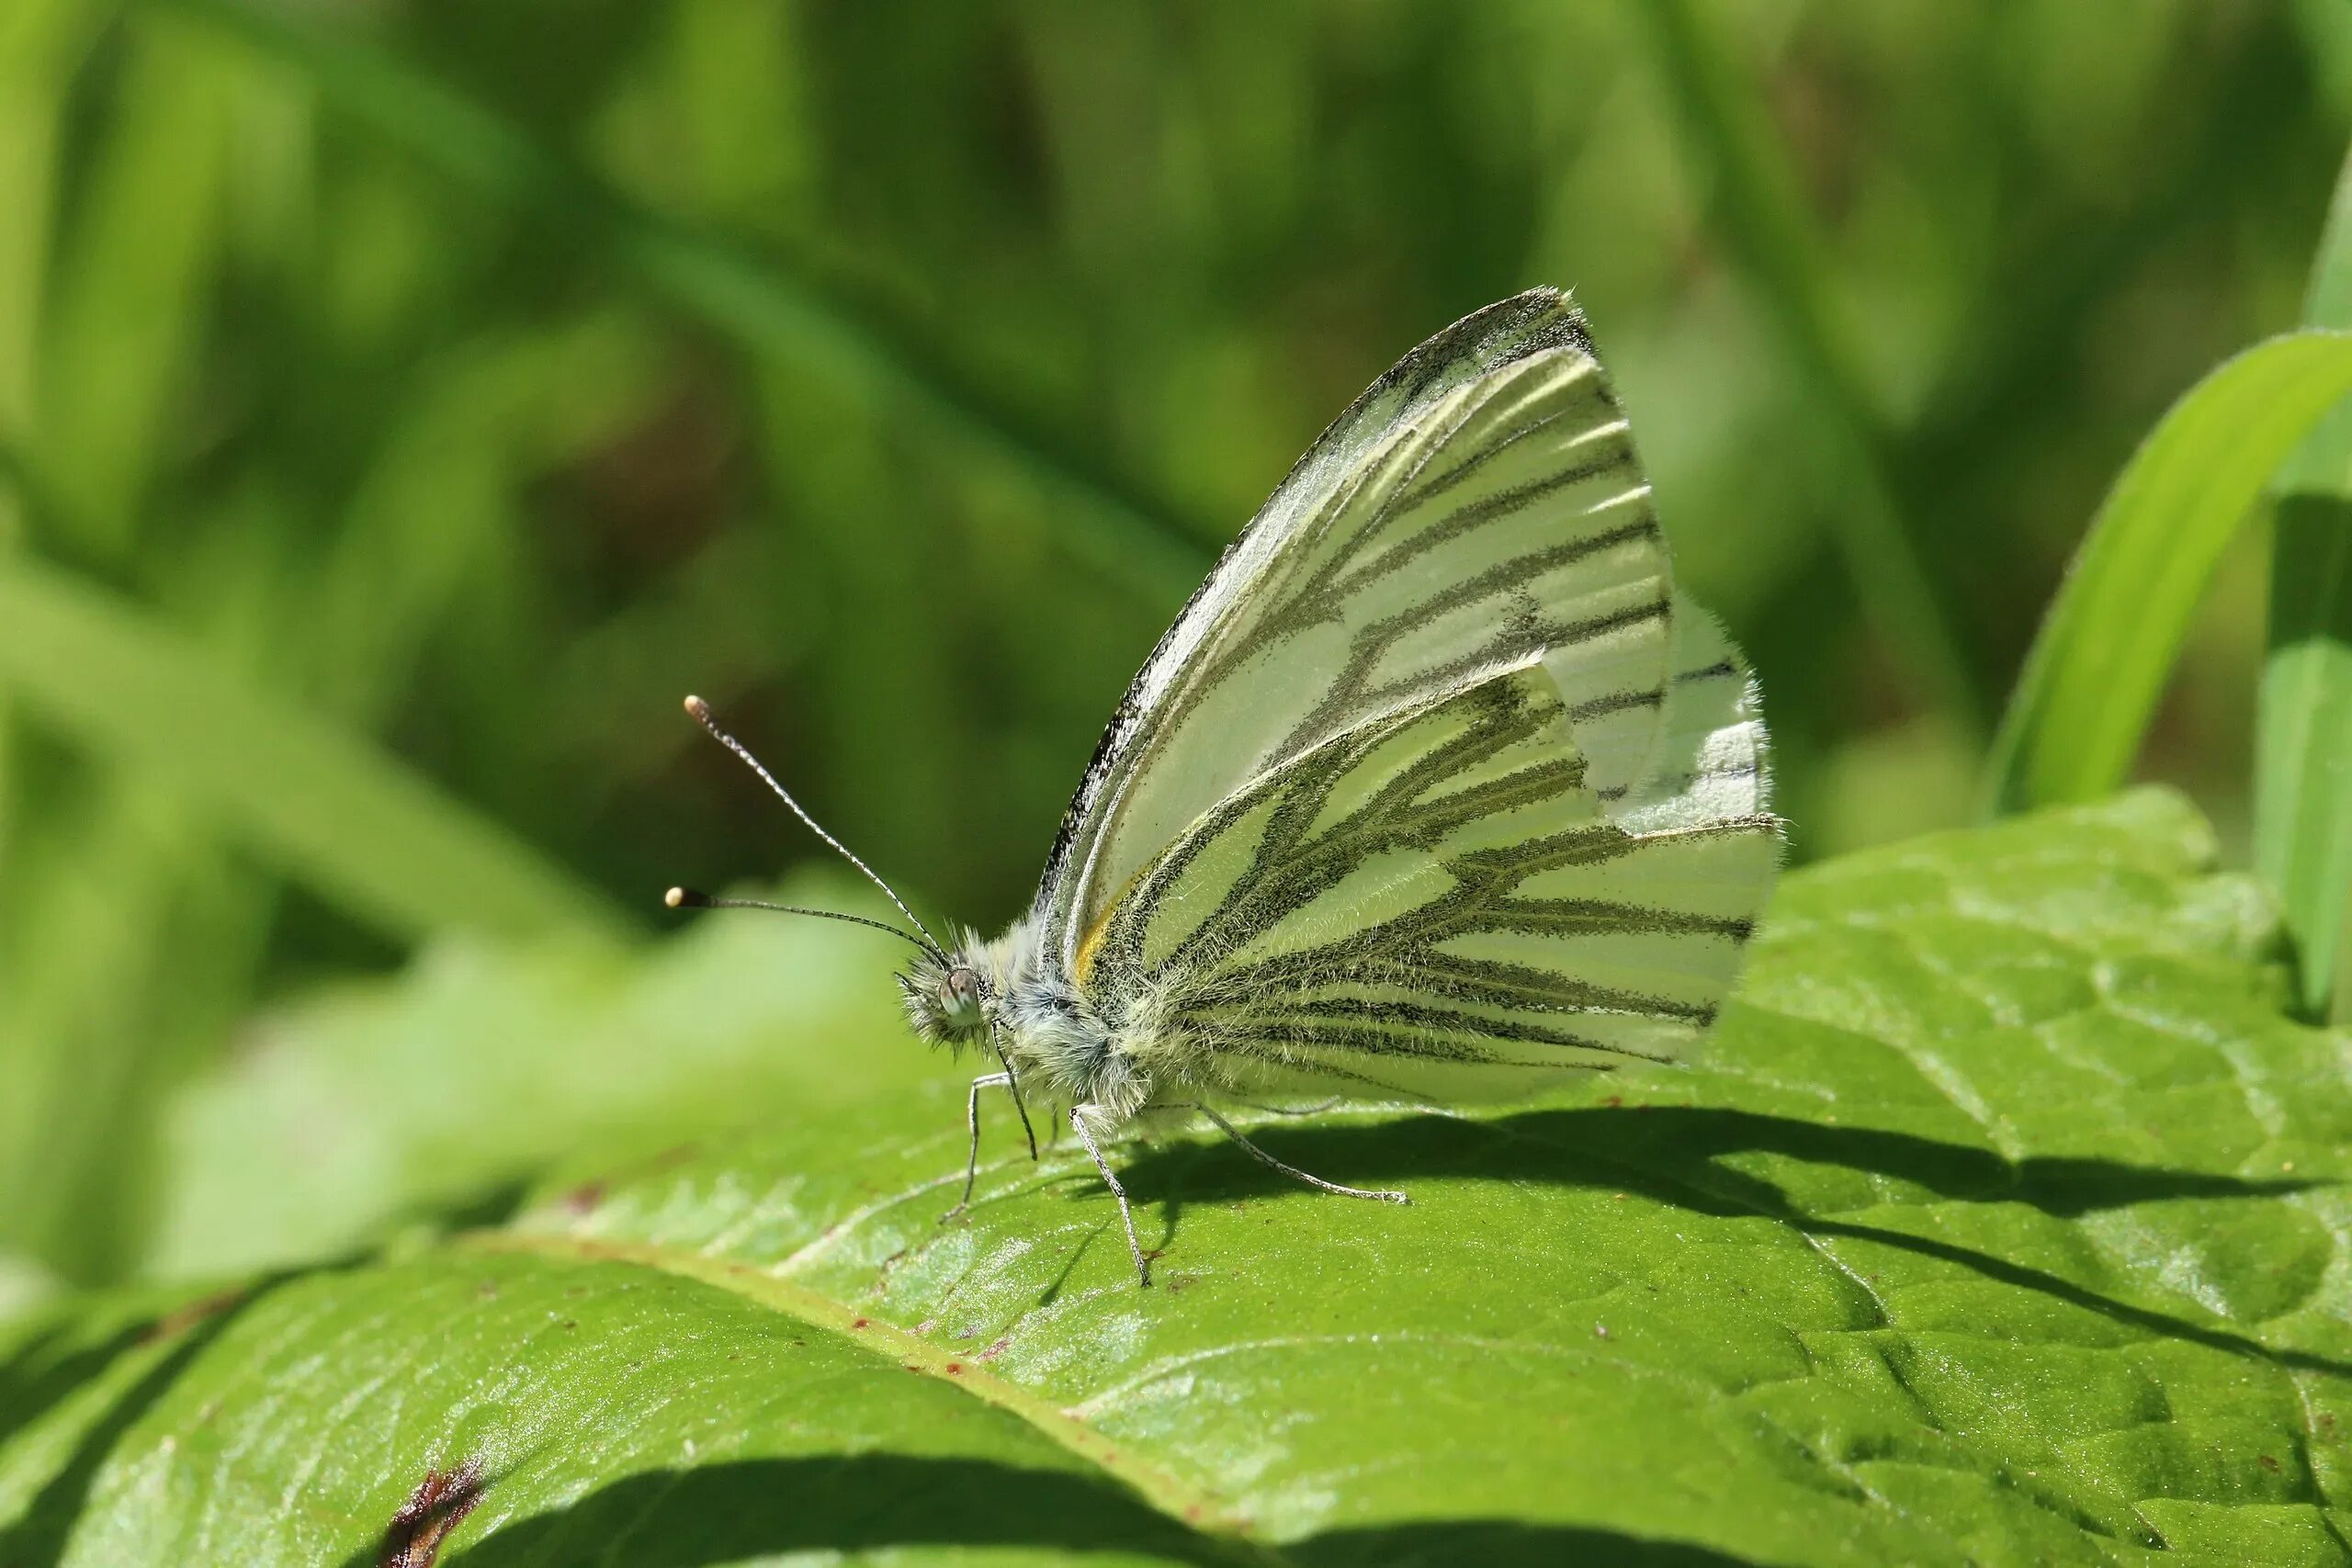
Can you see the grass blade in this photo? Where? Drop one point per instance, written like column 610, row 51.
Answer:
column 2303, row 776
column 790, row 320
column 353, row 822
column 2101, row 659
column 141, row 247
column 1757, row 211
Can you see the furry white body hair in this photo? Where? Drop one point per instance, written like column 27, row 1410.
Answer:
column 1050, row 1034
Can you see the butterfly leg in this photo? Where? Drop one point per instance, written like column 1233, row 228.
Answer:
column 972, row 1119
column 1013, row 1087
column 1262, row 1157
column 1126, row 1215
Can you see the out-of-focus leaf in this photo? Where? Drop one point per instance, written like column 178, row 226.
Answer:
column 351, row 821
column 482, row 1064
column 2004, row 1222
column 2303, row 770
column 2103, row 655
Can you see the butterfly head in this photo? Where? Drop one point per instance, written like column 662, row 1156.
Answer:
column 950, row 999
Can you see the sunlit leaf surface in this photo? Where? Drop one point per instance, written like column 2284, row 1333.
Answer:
column 2003, row 1226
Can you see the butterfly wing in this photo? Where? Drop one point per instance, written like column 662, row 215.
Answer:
column 1479, row 505
column 1446, row 901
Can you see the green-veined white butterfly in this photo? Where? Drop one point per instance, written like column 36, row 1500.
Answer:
column 1435, row 792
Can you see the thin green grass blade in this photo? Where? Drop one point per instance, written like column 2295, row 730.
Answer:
column 793, row 321
column 143, row 246
column 353, row 822
column 2302, row 771
column 1756, row 210
column 2100, row 661
column 41, row 41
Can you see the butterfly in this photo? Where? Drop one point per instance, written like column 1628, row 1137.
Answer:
column 1437, row 791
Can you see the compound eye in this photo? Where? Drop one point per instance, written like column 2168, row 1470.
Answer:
column 961, row 992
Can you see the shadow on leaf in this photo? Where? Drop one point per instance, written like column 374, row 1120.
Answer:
column 1675, row 1155
column 41, row 1535
column 1590, row 1146
column 755, row 1508
column 748, row 1508
column 1446, row 1542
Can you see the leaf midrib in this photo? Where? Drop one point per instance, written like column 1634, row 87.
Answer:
column 1195, row 1508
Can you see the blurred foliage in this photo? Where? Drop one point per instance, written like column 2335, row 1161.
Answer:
column 461, row 383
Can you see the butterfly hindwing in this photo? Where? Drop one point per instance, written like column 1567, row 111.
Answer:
column 1445, row 900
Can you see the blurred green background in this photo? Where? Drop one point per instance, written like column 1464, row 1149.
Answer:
column 403, row 403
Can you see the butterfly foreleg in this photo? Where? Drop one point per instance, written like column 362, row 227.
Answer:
column 1013, row 1087
column 972, row 1122
column 1079, row 1115
column 1262, row 1157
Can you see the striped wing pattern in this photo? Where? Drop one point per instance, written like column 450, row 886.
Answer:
column 1450, row 901
column 1490, row 519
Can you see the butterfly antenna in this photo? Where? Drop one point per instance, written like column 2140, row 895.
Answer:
column 687, row 898
column 700, row 711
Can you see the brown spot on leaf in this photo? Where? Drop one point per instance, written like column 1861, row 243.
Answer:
column 2267, row 1464
column 584, row 1198
column 440, row 1501
column 1614, row 1100
column 954, row 1367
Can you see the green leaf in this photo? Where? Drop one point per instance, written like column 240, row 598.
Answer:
column 2073, row 726
column 353, row 822
column 2303, row 774
column 2004, row 1224
column 370, row 1103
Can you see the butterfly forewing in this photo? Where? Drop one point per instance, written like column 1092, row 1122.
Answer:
column 1479, row 506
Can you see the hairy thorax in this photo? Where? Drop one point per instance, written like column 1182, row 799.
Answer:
column 1022, row 1002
